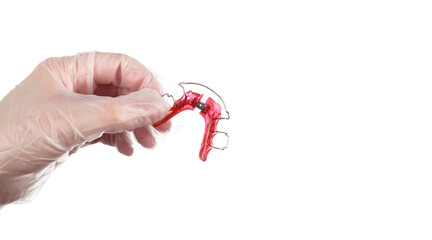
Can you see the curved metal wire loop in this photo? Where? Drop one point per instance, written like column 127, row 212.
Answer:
column 199, row 84
column 221, row 118
column 170, row 96
column 226, row 146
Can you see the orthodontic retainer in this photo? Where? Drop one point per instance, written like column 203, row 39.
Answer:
column 211, row 111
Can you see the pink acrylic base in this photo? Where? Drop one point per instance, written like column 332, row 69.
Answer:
column 211, row 113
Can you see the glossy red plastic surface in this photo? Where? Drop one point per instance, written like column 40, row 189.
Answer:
column 211, row 113
column 189, row 101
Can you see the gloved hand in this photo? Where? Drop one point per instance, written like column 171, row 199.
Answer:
column 69, row 102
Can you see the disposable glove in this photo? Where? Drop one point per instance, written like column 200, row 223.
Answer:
column 69, row 102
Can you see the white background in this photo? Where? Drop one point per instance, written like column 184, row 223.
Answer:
column 331, row 128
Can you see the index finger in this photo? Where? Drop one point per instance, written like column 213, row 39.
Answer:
column 122, row 71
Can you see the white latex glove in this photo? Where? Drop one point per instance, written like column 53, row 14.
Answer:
column 69, row 102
